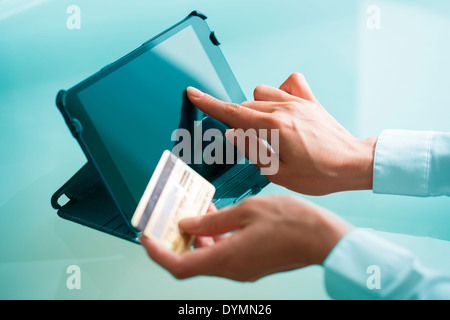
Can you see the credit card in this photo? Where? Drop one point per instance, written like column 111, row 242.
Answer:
column 175, row 191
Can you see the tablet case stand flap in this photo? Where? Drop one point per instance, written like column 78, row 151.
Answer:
column 90, row 204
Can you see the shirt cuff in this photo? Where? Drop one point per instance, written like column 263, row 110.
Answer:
column 401, row 162
column 364, row 266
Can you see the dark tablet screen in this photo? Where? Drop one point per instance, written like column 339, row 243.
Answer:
column 130, row 112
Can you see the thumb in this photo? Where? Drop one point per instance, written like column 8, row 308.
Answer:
column 297, row 85
column 213, row 224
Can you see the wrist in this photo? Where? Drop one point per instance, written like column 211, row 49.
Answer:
column 358, row 172
column 332, row 229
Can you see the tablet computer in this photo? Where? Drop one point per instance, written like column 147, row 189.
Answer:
column 125, row 115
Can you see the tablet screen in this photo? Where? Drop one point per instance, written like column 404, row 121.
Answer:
column 136, row 107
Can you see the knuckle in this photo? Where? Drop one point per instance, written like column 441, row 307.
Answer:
column 273, row 121
column 288, row 106
column 285, row 121
column 211, row 99
column 288, row 122
column 232, row 108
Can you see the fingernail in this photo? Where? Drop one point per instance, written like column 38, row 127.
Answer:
column 194, row 93
column 189, row 223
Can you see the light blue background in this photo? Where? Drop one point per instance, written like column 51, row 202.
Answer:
column 395, row 77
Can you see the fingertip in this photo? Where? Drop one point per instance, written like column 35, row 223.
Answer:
column 143, row 239
column 194, row 93
column 261, row 91
column 148, row 244
column 188, row 225
column 297, row 85
column 153, row 249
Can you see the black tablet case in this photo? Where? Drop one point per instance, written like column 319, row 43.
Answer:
column 91, row 204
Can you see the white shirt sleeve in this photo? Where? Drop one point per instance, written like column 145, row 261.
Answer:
column 364, row 266
column 415, row 163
